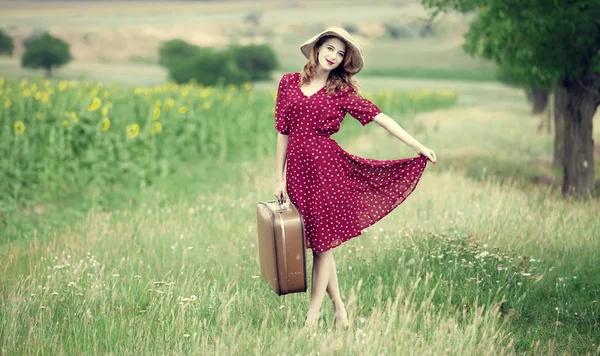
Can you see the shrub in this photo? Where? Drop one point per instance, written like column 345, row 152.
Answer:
column 207, row 66
column 37, row 33
column 253, row 17
column 174, row 50
column 46, row 51
column 257, row 60
column 7, row 44
column 398, row 32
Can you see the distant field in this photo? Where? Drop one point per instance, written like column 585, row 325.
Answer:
column 102, row 33
column 73, row 11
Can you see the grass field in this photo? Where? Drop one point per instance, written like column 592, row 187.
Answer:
column 479, row 260
column 471, row 263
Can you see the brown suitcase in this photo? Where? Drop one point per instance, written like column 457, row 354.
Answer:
column 281, row 246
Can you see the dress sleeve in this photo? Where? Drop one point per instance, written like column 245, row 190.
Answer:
column 358, row 107
column 281, row 120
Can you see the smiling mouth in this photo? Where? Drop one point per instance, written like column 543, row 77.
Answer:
column 329, row 61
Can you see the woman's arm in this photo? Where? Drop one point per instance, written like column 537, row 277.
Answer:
column 392, row 127
column 282, row 142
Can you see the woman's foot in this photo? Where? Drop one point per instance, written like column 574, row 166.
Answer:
column 340, row 316
column 311, row 321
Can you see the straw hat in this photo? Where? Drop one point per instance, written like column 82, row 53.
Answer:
column 352, row 45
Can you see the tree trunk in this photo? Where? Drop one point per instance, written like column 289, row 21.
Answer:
column 578, row 163
column 49, row 72
column 539, row 99
column 548, row 116
column 560, row 107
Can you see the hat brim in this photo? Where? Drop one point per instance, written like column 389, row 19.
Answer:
column 306, row 47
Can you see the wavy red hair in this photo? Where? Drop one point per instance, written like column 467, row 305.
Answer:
column 340, row 78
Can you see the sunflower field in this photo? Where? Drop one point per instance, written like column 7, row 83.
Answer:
column 69, row 137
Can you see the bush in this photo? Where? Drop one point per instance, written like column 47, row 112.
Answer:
column 46, row 52
column 7, row 44
column 207, row 66
column 174, row 50
column 37, row 33
column 253, row 17
column 257, row 60
column 398, row 32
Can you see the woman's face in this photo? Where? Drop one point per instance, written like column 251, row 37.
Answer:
column 331, row 53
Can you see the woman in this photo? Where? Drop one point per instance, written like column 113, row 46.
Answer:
column 337, row 193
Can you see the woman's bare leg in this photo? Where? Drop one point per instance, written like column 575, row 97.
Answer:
column 333, row 290
column 320, row 278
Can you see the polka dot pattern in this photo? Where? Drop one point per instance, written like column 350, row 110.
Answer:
column 337, row 193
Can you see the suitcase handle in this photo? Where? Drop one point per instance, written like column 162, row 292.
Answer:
column 282, row 206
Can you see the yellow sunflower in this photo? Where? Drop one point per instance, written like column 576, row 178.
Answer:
column 19, row 127
column 156, row 113
column 156, row 127
column 170, row 103
column 132, row 130
column 94, row 105
column 205, row 92
column 105, row 124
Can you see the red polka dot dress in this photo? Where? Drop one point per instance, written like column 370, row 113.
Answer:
column 337, row 193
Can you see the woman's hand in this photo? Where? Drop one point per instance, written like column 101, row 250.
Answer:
column 427, row 153
column 280, row 189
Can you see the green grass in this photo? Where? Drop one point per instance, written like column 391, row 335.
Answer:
column 172, row 267
column 63, row 138
column 440, row 74
column 437, row 74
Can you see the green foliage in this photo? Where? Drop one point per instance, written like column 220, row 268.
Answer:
column 62, row 138
column 46, row 51
column 234, row 65
column 174, row 50
column 551, row 39
column 208, row 67
column 32, row 37
column 448, row 5
column 526, row 77
column 6, row 43
column 257, row 60
column 397, row 31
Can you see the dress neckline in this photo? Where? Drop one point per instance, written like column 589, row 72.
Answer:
column 300, row 89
